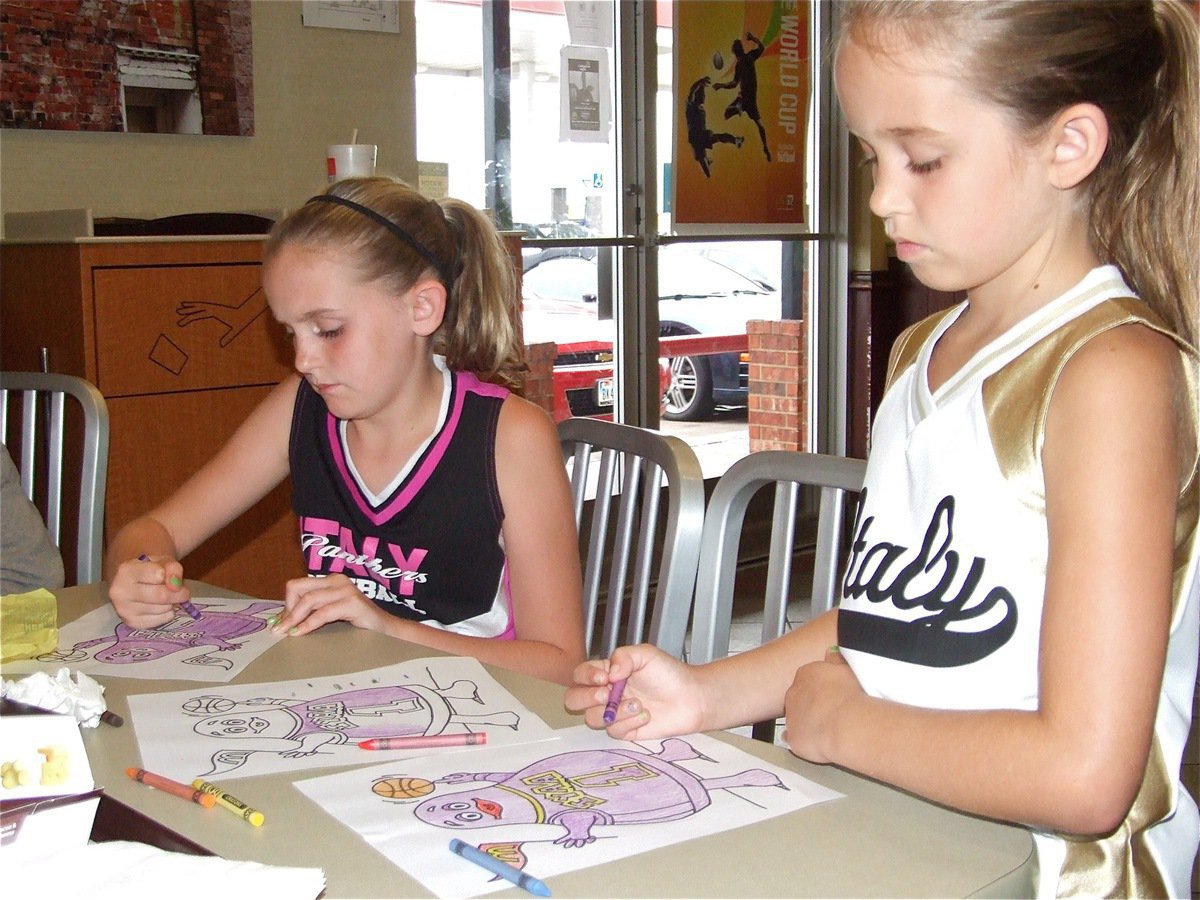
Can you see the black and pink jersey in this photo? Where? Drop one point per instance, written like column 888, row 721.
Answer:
column 429, row 547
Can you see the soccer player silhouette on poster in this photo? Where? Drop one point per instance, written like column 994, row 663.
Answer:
column 700, row 136
column 745, row 79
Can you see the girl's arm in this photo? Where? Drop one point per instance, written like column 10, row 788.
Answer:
column 252, row 462
column 542, row 547
column 1117, row 440
column 666, row 697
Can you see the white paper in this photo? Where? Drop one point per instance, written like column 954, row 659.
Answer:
column 581, row 801
column 54, row 826
column 126, row 870
column 586, row 99
column 228, row 636
column 257, row 729
column 590, row 22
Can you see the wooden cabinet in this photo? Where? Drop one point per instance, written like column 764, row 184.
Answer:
column 177, row 336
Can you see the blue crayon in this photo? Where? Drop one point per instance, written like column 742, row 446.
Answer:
column 496, row 867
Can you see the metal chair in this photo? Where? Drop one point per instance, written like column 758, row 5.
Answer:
column 38, row 402
column 635, row 466
column 833, row 477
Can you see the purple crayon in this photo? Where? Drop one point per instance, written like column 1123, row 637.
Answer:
column 614, row 701
column 186, row 605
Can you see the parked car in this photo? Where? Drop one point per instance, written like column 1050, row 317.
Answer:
column 532, row 254
column 567, row 228
column 698, row 295
column 584, row 384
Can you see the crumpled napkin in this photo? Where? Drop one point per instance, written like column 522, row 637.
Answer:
column 83, row 698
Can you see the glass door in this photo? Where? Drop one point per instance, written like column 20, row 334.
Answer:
column 649, row 326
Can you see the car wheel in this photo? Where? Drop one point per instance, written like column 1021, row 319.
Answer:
column 689, row 395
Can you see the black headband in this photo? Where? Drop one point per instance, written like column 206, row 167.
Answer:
column 425, row 252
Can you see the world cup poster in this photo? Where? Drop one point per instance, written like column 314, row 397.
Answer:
column 741, row 117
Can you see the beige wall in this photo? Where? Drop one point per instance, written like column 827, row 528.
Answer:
column 312, row 87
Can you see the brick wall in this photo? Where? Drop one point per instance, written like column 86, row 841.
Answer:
column 58, row 59
column 778, row 404
column 539, row 385
column 240, row 32
column 218, row 87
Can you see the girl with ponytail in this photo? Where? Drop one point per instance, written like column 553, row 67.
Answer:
column 1017, row 628
column 432, row 501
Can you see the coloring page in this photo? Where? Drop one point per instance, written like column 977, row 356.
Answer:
column 229, row 635
column 549, row 808
column 257, row 729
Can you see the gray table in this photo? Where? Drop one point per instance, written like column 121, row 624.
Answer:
column 877, row 841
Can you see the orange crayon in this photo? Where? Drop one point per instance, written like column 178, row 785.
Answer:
column 171, row 787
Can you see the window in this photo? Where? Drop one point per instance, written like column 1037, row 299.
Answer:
column 159, row 91
column 591, row 237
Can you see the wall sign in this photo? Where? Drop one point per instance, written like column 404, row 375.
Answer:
column 357, row 15
column 742, row 97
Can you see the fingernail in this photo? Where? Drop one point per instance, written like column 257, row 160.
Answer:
column 293, row 631
column 835, row 649
column 176, row 581
column 272, row 621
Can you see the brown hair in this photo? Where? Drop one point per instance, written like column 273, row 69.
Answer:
column 1137, row 61
column 394, row 235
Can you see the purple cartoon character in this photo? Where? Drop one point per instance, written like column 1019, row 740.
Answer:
column 297, row 728
column 581, row 789
column 220, row 630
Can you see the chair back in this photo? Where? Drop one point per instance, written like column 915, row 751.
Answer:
column 833, row 478
column 33, row 416
column 635, row 466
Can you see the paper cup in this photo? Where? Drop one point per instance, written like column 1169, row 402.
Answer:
column 349, row 160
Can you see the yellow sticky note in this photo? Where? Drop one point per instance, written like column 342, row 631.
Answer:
column 28, row 624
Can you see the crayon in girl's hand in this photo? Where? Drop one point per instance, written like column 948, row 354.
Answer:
column 614, row 701
column 189, row 608
column 186, row 605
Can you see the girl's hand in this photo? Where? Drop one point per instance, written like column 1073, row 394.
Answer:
column 662, row 695
column 819, row 692
column 310, row 603
column 146, row 592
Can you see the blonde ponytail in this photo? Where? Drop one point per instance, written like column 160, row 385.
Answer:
column 480, row 332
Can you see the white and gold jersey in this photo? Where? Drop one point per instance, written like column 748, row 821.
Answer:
column 942, row 598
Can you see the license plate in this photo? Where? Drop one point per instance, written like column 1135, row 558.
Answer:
column 604, row 392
